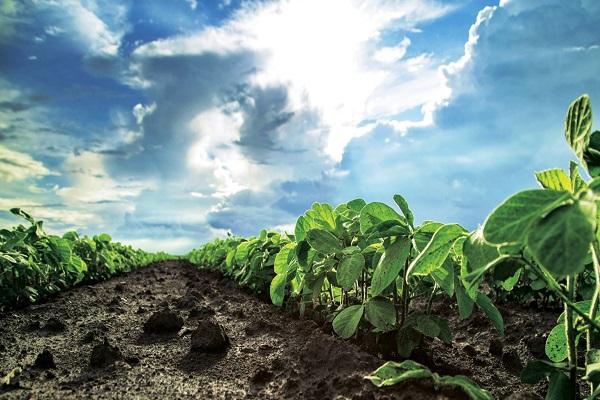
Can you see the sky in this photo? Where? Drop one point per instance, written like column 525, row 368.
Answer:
column 168, row 123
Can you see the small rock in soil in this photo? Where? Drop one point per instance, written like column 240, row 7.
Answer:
column 163, row 321
column 470, row 350
column 44, row 360
column 496, row 347
column 104, row 354
column 261, row 376
column 536, row 345
column 209, row 337
column 54, row 325
column 512, row 361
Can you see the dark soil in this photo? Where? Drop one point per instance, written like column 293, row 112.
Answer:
column 97, row 342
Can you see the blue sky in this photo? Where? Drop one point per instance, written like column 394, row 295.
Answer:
column 168, row 123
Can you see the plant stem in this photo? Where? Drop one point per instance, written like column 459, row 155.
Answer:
column 430, row 301
column 396, row 300
column 594, row 306
column 570, row 334
column 404, row 293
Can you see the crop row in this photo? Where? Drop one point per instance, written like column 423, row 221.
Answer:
column 369, row 269
column 34, row 264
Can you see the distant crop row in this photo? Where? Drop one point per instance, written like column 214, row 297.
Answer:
column 368, row 268
column 34, row 264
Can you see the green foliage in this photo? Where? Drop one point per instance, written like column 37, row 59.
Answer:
column 393, row 373
column 34, row 264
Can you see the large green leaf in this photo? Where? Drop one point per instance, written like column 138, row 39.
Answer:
column 375, row 213
column 444, row 276
column 510, row 221
column 465, row 303
column 322, row 215
column 323, row 241
column 277, row 289
column 592, row 366
column 349, row 269
column 61, row 247
column 555, row 179
column 560, row 241
column 491, row 311
column 346, row 322
column 303, row 225
column 536, row 370
column 381, row 313
column 592, row 155
column 578, row 125
column 478, row 260
column 467, row 385
column 392, row 373
column 389, row 265
column 283, row 258
column 356, row 205
column 559, row 388
column 403, row 204
column 434, row 254
column 556, row 344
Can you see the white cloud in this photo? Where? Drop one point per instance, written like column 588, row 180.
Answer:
column 98, row 29
column 140, row 111
column 91, row 183
column 390, row 55
column 328, row 68
column 16, row 166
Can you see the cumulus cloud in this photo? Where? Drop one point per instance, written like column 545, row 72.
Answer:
column 502, row 117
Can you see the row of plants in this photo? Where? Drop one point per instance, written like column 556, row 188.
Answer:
column 369, row 269
column 34, row 264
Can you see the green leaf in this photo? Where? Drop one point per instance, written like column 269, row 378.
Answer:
column 61, row 247
column 322, row 215
column 302, row 226
column 560, row 241
column 467, row 385
column 346, row 322
column 578, row 125
column 277, row 289
column 392, row 373
column 349, row 270
column 592, row 366
column 465, row 303
column 592, row 155
column 479, row 256
column 323, row 241
column 559, row 388
column 436, row 251
column 403, row 204
column 576, row 181
column 491, row 311
column 390, row 264
column 445, row 334
column 444, row 277
column 537, row 370
column 283, row 258
column 427, row 326
column 407, row 339
column 510, row 221
column 381, row 313
column 242, row 251
column 375, row 213
column 104, row 237
column 356, row 205
column 556, row 344
column 555, row 179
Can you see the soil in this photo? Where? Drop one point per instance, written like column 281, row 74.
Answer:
column 131, row 337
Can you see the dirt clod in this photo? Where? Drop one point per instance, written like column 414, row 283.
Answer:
column 209, row 337
column 44, row 360
column 163, row 321
column 496, row 347
column 54, row 325
column 104, row 354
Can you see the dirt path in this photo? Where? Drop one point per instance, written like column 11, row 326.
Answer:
column 94, row 335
